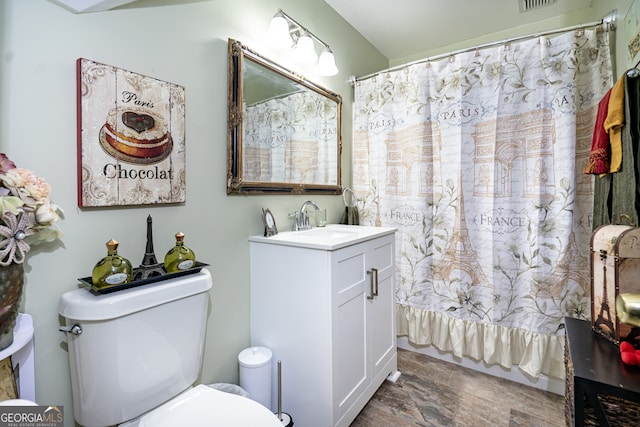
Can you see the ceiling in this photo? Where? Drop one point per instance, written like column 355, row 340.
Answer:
column 402, row 28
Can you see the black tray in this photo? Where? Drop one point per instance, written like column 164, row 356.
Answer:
column 166, row 276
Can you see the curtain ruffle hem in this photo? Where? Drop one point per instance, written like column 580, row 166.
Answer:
column 533, row 353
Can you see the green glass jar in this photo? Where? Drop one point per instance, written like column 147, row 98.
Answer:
column 179, row 257
column 113, row 269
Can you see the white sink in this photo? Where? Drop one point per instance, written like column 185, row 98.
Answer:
column 333, row 236
column 327, row 233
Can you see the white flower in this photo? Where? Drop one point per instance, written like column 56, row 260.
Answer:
column 46, row 214
column 26, row 185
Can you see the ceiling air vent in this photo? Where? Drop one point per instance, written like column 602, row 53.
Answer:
column 527, row 5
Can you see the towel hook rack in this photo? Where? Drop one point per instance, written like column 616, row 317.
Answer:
column 354, row 199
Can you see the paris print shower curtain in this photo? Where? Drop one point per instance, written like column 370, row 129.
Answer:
column 477, row 159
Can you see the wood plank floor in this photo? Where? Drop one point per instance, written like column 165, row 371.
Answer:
column 431, row 392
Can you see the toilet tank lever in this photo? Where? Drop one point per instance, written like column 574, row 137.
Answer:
column 76, row 329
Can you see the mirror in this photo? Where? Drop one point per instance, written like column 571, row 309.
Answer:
column 284, row 131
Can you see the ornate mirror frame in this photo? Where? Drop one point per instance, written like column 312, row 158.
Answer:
column 240, row 181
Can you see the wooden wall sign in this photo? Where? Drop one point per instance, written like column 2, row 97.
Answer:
column 131, row 138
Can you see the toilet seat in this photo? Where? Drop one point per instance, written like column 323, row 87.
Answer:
column 18, row 402
column 204, row 406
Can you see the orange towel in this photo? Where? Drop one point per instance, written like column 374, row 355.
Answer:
column 614, row 122
column 598, row 162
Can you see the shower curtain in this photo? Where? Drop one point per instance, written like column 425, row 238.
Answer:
column 477, row 160
column 285, row 139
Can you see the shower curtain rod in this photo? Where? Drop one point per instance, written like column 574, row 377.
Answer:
column 609, row 19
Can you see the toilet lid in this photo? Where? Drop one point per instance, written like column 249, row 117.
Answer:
column 204, row 406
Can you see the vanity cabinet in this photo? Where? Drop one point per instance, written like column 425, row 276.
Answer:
column 327, row 312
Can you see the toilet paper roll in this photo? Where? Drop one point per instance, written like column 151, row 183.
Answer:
column 255, row 374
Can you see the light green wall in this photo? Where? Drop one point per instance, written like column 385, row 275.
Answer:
column 602, row 8
column 561, row 21
column 186, row 45
column 599, row 9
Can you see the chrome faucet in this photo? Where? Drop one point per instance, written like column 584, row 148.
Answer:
column 301, row 217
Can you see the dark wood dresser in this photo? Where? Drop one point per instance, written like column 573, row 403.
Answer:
column 600, row 389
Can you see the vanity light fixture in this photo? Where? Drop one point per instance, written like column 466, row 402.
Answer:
column 278, row 34
column 284, row 31
column 327, row 63
column 305, row 51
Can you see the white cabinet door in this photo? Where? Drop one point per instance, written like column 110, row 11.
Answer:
column 364, row 324
column 381, row 331
column 350, row 356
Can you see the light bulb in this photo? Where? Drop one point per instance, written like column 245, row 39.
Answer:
column 327, row 64
column 278, row 34
column 305, row 52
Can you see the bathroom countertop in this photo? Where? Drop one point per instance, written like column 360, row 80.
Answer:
column 331, row 237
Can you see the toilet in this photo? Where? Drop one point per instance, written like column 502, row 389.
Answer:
column 135, row 355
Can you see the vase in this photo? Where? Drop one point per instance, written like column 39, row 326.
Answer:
column 11, row 281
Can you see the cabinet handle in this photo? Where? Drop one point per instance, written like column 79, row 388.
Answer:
column 375, row 273
column 374, row 283
column 372, row 292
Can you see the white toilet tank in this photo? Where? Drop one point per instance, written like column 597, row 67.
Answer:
column 138, row 348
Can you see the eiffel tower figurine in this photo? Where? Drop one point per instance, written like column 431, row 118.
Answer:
column 604, row 307
column 150, row 266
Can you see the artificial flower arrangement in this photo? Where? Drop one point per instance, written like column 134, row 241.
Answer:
column 27, row 215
